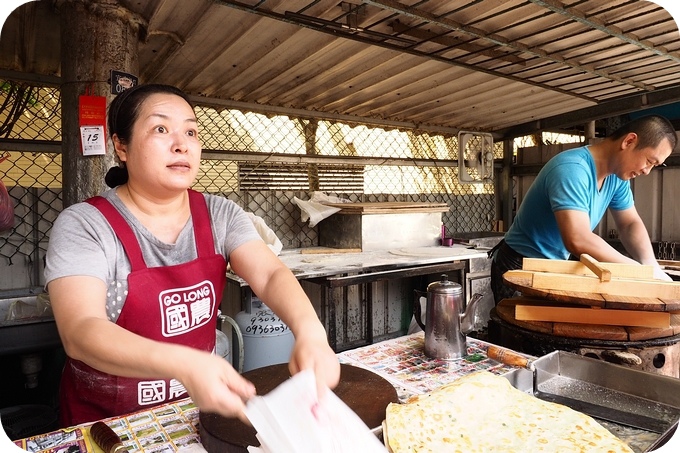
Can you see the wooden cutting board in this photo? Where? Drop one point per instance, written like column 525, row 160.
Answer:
column 506, row 311
column 521, row 280
column 365, row 392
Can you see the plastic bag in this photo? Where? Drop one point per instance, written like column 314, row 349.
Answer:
column 313, row 211
column 30, row 308
column 321, row 197
column 6, row 209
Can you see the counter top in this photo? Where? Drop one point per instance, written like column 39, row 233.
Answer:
column 313, row 265
column 174, row 426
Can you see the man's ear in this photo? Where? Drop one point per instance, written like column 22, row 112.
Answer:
column 629, row 141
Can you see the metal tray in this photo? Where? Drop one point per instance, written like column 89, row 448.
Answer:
column 613, row 387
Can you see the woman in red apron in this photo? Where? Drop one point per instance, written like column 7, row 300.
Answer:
column 135, row 276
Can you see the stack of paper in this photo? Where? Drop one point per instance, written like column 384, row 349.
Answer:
column 291, row 419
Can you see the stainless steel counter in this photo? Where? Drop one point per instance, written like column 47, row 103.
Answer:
column 335, row 270
column 307, row 266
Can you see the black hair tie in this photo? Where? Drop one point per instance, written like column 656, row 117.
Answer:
column 116, row 176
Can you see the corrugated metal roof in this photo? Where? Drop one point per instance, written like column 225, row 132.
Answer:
column 490, row 65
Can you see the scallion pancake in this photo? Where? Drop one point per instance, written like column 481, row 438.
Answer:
column 483, row 413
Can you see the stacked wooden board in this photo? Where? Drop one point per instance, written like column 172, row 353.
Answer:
column 388, row 207
column 588, row 299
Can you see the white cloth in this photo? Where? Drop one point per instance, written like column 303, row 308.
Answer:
column 291, row 419
column 266, row 233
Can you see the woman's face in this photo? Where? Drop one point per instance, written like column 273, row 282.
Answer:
column 164, row 153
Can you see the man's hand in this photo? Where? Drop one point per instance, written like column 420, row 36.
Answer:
column 659, row 274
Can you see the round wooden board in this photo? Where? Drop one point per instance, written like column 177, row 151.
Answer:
column 519, row 282
column 365, row 392
column 506, row 311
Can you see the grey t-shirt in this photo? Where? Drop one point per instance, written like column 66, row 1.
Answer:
column 83, row 243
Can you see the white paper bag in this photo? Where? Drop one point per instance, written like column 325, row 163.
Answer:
column 290, row 419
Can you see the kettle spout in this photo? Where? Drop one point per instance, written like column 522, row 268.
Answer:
column 467, row 318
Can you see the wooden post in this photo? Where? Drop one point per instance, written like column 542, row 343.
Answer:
column 96, row 36
column 309, row 128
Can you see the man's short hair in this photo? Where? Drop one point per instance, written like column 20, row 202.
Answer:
column 651, row 130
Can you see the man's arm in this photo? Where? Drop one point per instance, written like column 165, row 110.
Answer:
column 634, row 235
column 578, row 238
column 635, row 239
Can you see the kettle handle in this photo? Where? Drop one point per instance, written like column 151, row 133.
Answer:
column 417, row 312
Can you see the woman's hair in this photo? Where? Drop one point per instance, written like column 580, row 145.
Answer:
column 124, row 109
column 651, row 130
column 122, row 116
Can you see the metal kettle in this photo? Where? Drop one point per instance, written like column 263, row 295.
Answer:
column 446, row 323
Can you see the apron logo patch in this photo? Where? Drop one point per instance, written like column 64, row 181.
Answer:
column 185, row 309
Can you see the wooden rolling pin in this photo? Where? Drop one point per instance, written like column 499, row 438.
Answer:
column 604, row 274
column 509, row 357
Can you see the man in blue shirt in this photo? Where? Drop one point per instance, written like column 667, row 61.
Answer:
column 571, row 194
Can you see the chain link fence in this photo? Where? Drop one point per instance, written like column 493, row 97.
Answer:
column 32, row 115
column 259, row 161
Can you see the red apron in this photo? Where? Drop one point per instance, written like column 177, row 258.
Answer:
column 173, row 304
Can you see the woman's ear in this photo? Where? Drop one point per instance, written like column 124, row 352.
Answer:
column 119, row 148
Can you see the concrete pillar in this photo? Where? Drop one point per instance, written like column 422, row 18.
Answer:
column 590, row 132
column 96, row 36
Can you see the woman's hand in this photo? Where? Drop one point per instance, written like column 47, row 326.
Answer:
column 311, row 351
column 214, row 385
column 276, row 285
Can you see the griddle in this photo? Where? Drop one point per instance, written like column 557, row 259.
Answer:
column 366, row 393
column 645, row 406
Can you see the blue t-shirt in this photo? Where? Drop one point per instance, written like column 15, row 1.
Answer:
column 567, row 181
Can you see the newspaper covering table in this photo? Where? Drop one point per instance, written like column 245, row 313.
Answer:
column 402, row 361
column 163, row 429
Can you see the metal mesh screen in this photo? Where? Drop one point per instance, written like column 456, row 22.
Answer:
column 31, row 114
column 259, row 161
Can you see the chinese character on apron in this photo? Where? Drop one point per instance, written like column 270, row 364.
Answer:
column 173, row 304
